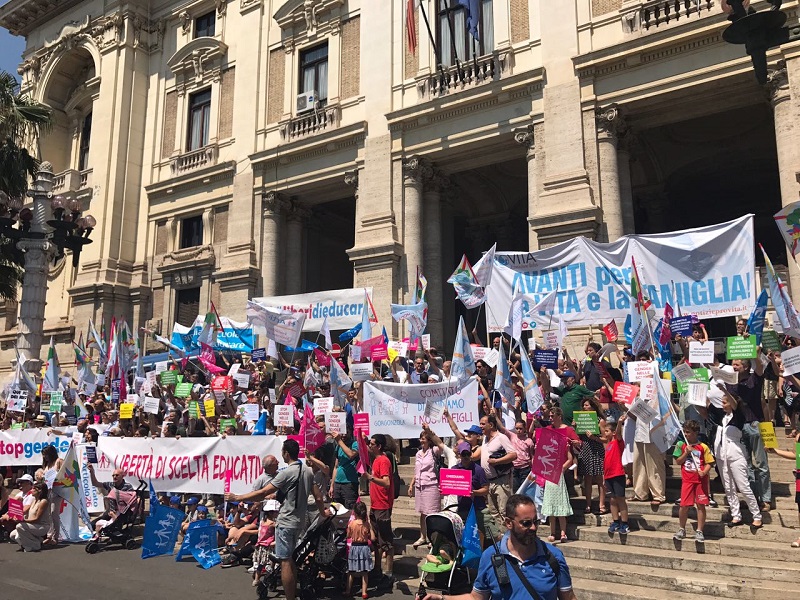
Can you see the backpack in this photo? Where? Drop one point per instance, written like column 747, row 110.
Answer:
column 439, row 463
column 397, row 482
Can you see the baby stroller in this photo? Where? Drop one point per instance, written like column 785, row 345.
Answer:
column 130, row 506
column 321, row 550
column 450, row 527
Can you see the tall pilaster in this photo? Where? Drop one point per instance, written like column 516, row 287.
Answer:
column 274, row 205
column 435, row 186
column 528, row 140
column 295, row 220
column 617, row 211
column 415, row 169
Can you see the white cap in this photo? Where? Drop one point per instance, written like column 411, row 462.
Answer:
column 27, row 478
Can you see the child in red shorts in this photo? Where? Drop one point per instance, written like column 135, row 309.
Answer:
column 695, row 461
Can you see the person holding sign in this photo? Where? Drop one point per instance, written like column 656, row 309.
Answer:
column 25, row 483
column 32, row 531
column 592, row 453
column 696, row 461
column 556, row 502
column 497, row 457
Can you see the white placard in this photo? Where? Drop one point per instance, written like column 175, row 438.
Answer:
column 696, row 393
column 101, row 378
column 355, row 353
column 335, row 422
column 638, row 370
column 701, row 353
column 243, row 380
column 361, row 371
column 77, row 437
column 643, row 411
column 426, row 341
column 478, row 352
column 249, row 412
column 17, row 400
column 400, row 347
column 272, row 397
column 322, row 406
column 234, row 369
column 152, row 378
column 550, row 339
column 492, row 357
column 434, row 409
column 791, row 361
column 683, row 372
column 283, row 415
column 647, row 389
column 151, row 404
column 160, row 367
column 725, row 376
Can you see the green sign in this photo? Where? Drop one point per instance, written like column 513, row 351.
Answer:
column 22, row 426
column 586, row 420
column 771, row 341
column 797, row 455
column 194, row 411
column 700, row 374
column 741, row 347
column 169, row 377
column 56, row 400
column 225, row 423
column 183, row 390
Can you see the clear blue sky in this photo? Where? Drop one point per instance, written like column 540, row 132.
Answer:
column 11, row 47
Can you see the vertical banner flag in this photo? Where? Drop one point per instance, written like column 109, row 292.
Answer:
column 787, row 313
column 755, row 324
column 466, row 285
column 463, row 364
column 415, row 314
column 471, row 541
column 502, row 377
column 550, row 454
column 788, row 221
column 533, row 395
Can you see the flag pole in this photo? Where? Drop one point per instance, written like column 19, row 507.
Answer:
column 453, row 40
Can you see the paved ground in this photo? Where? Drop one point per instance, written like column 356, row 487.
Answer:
column 68, row 573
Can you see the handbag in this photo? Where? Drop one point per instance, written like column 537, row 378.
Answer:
column 504, row 469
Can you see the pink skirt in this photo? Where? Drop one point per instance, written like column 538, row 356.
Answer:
column 427, row 499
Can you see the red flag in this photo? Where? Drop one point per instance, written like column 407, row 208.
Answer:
column 611, row 332
column 411, row 27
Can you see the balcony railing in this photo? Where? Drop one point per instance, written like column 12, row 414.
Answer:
column 311, row 123
column 467, row 74
column 72, row 181
column 657, row 13
column 194, row 160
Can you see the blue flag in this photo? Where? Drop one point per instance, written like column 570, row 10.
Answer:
column 153, row 497
column 471, row 541
column 473, row 14
column 203, row 544
column 755, row 324
column 463, row 364
column 349, row 334
column 260, row 428
column 305, row 346
column 366, row 326
column 161, row 530
column 385, row 336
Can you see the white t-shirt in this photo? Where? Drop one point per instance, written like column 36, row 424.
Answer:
column 490, row 446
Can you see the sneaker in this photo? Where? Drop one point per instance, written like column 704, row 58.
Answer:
column 699, row 537
column 680, row 534
column 614, row 527
column 713, row 503
column 252, row 569
column 624, row 529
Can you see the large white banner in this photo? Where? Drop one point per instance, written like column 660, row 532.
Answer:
column 92, row 498
column 20, row 447
column 191, row 465
column 400, row 409
column 707, row 271
column 342, row 307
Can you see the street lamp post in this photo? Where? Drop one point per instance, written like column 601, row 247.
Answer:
column 41, row 240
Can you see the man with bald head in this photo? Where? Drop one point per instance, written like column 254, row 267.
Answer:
column 270, row 465
column 117, row 483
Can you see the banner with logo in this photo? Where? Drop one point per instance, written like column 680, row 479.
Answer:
column 342, row 307
column 19, row 447
column 707, row 271
column 399, row 409
column 188, row 465
column 236, row 337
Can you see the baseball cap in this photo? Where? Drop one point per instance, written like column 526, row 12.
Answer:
column 474, row 429
column 174, row 499
column 27, row 478
column 202, row 509
column 193, row 500
column 567, row 374
column 463, row 447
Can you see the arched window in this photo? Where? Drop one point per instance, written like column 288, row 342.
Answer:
column 83, row 149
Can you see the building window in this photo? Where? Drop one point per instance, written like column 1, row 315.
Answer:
column 86, row 136
column 204, row 25
column 199, row 119
column 452, row 23
column 192, row 232
column 314, row 71
column 187, row 306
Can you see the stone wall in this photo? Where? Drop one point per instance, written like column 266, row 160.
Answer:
column 277, row 66
column 351, row 58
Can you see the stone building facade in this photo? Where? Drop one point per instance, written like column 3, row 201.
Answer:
column 190, row 130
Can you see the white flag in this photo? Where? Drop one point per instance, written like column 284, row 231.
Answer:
column 326, row 333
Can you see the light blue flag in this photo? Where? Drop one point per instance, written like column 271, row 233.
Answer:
column 161, row 530
column 366, row 326
column 665, row 429
column 415, row 314
column 755, row 324
column 502, row 378
column 260, row 428
column 305, row 346
column 533, row 395
column 203, row 544
column 463, row 364
column 153, row 497
column 471, row 541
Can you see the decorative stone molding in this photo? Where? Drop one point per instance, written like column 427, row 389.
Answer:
column 198, row 61
column 778, row 84
column 311, row 123
column 221, row 6
column 297, row 212
column 186, row 22
column 526, row 137
column 305, row 13
column 417, row 168
column 191, row 259
column 246, row 5
column 148, row 34
column 351, row 179
column 274, row 203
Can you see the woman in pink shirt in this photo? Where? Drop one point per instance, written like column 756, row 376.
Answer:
column 424, row 487
column 524, row 447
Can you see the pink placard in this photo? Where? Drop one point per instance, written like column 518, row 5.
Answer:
column 228, row 478
column 361, row 421
column 380, row 352
column 455, row 481
column 15, row 509
column 299, row 439
column 412, row 346
column 625, row 392
column 363, row 453
column 551, row 452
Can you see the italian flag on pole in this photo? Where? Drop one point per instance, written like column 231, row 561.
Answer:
column 52, row 371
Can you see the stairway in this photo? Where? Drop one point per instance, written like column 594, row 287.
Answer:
column 735, row 563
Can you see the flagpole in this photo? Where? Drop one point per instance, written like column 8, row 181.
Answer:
column 453, row 38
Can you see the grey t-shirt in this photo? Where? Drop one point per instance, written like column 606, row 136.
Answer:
column 296, row 482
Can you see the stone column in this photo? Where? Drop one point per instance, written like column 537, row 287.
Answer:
column 610, row 127
column 786, row 134
column 38, row 253
column 449, row 201
column 273, row 206
column 414, row 169
column 294, row 248
column 435, row 185
column 527, row 139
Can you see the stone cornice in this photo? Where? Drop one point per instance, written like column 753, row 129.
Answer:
column 188, row 258
column 311, row 146
column 202, row 176
column 21, row 17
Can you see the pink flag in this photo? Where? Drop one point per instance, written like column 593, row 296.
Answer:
column 208, row 360
column 290, row 402
column 309, row 430
column 551, row 452
column 228, row 478
column 323, row 360
column 363, row 453
column 666, row 333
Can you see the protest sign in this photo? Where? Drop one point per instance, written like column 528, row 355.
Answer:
column 17, row 400
column 683, row 372
column 643, row 411
column 589, row 282
column 638, row 370
column 258, row 354
column 586, row 421
column 335, row 422
column 771, row 341
column 434, row 409
column 700, row 374
column 361, row 421
column 701, row 352
column 726, row 376
column 696, row 393
column 56, row 401
column 92, row 498
column 610, row 331
column 625, row 393
column 322, row 406
column 791, row 361
column 210, row 407
column 183, row 390
column 225, row 423
column 400, row 347
column 426, row 341
column 767, row 430
column 740, row 347
column 342, row 307
column 249, row 412
column 297, row 390
column 550, row 339
column 545, row 358
column 242, row 379
column 126, row 410
column 283, row 415
column 151, row 405
column 194, row 409
column 355, row 353
column 15, row 510
column 681, row 326
column 491, row 357
column 361, row 371
column 44, row 405
column 188, row 465
column 169, row 377
column 455, row 481
column 398, row 409
column 91, row 454
column 379, row 352
column 550, row 454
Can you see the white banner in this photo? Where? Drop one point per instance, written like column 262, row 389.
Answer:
column 91, row 496
column 706, row 271
column 342, row 307
column 188, row 465
column 399, row 408
column 277, row 325
column 24, row 446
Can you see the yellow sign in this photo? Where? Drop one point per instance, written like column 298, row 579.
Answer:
column 126, row 410
column 210, row 407
column 768, row 435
